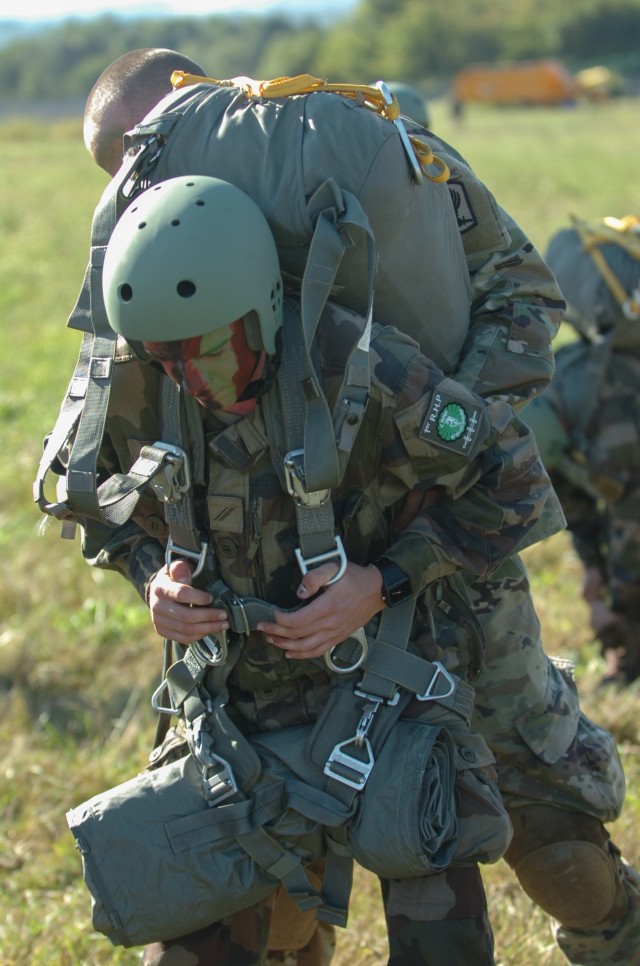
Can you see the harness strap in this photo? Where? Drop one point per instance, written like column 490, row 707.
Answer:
column 84, row 408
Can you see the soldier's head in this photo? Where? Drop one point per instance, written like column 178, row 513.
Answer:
column 191, row 272
column 123, row 94
column 411, row 102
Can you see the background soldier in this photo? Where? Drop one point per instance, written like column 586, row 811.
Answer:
column 588, row 427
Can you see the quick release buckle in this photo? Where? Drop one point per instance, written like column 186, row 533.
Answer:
column 360, row 769
column 173, row 479
column 221, row 783
column 338, row 758
column 294, row 479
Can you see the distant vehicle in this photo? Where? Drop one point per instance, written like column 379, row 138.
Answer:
column 538, row 82
column 600, row 83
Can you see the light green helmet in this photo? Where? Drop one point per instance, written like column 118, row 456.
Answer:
column 411, row 102
column 189, row 256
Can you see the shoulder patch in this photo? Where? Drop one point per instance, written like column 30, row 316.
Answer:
column 452, row 422
column 465, row 215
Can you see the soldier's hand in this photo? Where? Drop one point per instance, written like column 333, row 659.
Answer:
column 178, row 610
column 592, row 585
column 338, row 611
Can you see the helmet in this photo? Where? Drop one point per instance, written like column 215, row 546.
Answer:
column 191, row 255
column 411, row 102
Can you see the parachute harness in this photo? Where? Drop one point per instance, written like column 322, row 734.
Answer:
column 624, row 232
column 377, row 99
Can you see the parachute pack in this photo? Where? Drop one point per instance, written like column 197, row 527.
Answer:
column 597, row 265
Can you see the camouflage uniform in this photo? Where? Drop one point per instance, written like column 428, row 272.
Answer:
column 595, row 462
column 492, row 490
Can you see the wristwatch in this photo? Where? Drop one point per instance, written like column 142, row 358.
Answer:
column 396, row 586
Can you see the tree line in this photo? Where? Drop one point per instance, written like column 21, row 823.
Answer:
column 418, row 41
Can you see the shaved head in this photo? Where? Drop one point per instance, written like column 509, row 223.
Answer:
column 123, row 94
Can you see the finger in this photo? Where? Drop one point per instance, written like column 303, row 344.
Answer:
column 181, row 571
column 315, row 579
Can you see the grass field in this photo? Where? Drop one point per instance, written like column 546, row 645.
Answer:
column 77, row 658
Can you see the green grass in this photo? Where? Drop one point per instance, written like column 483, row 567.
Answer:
column 77, row 657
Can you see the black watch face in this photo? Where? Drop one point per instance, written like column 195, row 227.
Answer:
column 397, row 586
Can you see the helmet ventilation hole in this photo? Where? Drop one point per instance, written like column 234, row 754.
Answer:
column 186, row 288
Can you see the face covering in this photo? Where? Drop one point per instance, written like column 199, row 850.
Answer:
column 215, row 368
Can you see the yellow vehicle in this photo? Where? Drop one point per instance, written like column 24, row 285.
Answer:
column 537, row 82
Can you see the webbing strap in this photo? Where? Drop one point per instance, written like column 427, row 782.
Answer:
column 70, row 413
column 85, row 406
column 180, row 513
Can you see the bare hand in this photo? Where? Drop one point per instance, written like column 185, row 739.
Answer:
column 179, row 611
column 332, row 617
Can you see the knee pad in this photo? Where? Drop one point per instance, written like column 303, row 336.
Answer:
column 566, row 864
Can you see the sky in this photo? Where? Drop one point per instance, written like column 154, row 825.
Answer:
column 34, row 10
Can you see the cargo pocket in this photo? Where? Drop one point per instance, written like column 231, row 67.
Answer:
column 549, row 727
column 484, row 826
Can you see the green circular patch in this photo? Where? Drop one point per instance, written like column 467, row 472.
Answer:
column 452, row 422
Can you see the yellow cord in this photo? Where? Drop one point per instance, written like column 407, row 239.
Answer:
column 370, row 97
column 624, row 232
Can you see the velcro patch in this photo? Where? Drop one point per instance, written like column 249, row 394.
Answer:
column 452, row 422
column 465, row 215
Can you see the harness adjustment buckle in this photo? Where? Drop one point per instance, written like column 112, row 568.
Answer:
column 307, row 563
column 430, row 691
column 363, row 644
column 200, row 556
column 212, row 650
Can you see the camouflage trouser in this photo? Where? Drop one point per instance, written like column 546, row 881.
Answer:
column 528, row 711
column 550, row 754
column 451, row 927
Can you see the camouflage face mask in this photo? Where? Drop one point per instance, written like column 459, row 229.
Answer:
column 218, row 369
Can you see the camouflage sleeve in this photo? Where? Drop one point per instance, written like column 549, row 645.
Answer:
column 477, row 485
column 516, row 311
column 516, row 305
column 128, row 550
